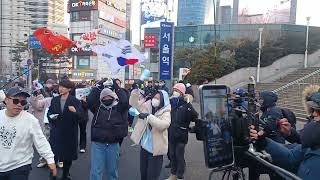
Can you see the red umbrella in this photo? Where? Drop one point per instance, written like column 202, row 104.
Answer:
column 53, row 43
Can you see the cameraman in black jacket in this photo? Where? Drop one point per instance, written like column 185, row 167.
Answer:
column 182, row 113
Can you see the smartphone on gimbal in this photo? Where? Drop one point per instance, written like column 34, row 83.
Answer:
column 218, row 142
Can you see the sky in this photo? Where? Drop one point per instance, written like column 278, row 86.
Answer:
column 305, row 8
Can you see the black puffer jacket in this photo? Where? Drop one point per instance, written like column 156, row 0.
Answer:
column 110, row 125
column 181, row 116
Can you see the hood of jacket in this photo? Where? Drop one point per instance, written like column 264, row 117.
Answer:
column 108, row 92
column 164, row 100
column 269, row 99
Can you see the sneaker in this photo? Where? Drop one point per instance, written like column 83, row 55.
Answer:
column 60, row 164
column 82, row 150
column 130, row 129
column 41, row 164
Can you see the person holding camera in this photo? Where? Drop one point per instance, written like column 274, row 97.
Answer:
column 302, row 159
column 182, row 113
column 64, row 115
column 19, row 132
column 151, row 131
column 109, row 127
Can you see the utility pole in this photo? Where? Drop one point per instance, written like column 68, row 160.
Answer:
column 307, row 44
column 259, row 57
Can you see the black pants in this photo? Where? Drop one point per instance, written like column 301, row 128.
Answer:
column 130, row 120
column 83, row 134
column 21, row 173
column 178, row 164
column 150, row 166
column 66, row 168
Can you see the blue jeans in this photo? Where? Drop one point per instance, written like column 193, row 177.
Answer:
column 104, row 156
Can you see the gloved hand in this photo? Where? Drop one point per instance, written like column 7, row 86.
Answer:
column 143, row 115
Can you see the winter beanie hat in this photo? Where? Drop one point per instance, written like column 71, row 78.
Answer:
column 180, row 87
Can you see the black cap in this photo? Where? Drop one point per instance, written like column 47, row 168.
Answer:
column 15, row 91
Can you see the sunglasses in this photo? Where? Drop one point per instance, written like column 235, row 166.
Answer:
column 17, row 101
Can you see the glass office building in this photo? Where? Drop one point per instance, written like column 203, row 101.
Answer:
column 191, row 12
column 203, row 35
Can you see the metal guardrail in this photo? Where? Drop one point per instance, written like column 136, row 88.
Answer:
column 294, row 90
column 297, row 81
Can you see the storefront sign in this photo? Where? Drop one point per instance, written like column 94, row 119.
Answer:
column 112, row 19
column 108, row 32
column 82, row 51
column 34, row 43
column 150, row 41
column 114, row 5
column 88, row 74
column 82, row 5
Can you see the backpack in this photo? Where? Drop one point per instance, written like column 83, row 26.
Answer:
column 288, row 114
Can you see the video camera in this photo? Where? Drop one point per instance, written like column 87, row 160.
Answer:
column 224, row 130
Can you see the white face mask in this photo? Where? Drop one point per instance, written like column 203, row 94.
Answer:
column 155, row 102
column 175, row 94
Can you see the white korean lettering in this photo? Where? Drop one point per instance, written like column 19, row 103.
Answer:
column 166, row 60
column 166, row 49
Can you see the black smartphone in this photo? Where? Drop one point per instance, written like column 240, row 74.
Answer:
column 218, row 145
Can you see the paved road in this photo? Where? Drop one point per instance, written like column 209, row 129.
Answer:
column 129, row 163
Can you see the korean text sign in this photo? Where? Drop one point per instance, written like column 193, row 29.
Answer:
column 166, row 47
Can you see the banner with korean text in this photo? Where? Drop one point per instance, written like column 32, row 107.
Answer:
column 166, row 50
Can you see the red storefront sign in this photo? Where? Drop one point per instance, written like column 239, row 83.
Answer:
column 150, row 41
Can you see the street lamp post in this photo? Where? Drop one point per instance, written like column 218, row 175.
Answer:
column 307, row 44
column 259, row 57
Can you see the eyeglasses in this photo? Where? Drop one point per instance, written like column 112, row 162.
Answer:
column 17, row 101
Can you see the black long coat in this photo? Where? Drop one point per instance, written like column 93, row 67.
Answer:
column 64, row 130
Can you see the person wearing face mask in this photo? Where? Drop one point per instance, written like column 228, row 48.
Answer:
column 182, row 113
column 162, row 86
column 151, row 131
column 302, row 159
column 109, row 126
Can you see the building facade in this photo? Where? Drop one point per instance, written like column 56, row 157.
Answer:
column 15, row 26
column 191, row 12
column 204, row 35
column 19, row 19
column 88, row 16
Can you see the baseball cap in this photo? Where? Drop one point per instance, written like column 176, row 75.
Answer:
column 15, row 91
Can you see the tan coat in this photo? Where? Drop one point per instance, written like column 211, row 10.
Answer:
column 159, row 122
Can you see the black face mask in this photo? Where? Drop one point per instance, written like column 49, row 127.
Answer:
column 107, row 102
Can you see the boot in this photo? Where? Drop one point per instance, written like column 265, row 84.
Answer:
column 172, row 177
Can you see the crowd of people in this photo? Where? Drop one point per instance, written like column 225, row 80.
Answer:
column 56, row 116
column 160, row 128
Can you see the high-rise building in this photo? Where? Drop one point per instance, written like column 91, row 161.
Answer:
column 19, row 19
column 191, row 12
column 225, row 15
column 15, row 25
column 109, row 16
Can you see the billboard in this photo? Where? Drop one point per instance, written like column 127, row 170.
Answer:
column 262, row 11
column 153, row 11
column 82, row 5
